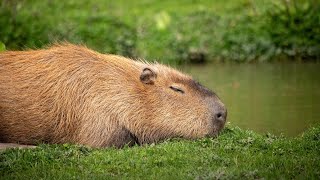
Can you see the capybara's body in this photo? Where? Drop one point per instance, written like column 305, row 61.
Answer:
column 70, row 94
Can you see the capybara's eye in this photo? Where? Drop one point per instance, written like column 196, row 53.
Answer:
column 177, row 89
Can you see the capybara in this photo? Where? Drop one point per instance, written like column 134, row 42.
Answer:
column 70, row 94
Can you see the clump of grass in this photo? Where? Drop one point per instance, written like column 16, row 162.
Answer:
column 294, row 28
column 235, row 154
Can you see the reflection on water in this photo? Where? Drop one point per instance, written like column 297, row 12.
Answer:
column 275, row 98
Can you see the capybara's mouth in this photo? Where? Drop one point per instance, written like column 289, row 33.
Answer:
column 216, row 130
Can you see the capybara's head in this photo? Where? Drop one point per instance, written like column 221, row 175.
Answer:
column 177, row 106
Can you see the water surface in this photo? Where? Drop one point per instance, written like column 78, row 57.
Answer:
column 276, row 98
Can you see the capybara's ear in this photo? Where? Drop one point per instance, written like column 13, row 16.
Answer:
column 148, row 76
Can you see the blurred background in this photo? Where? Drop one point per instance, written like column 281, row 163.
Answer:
column 260, row 56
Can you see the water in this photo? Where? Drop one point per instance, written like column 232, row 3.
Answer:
column 276, row 98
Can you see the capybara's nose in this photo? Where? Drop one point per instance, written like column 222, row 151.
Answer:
column 221, row 115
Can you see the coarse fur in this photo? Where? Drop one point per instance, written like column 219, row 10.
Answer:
column 70, row 94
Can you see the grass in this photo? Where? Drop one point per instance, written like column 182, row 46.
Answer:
column 235, row 154
column 169, row 31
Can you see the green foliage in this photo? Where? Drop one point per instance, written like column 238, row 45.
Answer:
column 294, row 28
column 180, row 40
column 194, row 34
column 312, row 134
column 289, row 29
column 19, row 30
column 169, row 31
column 108, row 34
column 2, row 47
column 235, row 154
column 32, row 28
column 246, row 41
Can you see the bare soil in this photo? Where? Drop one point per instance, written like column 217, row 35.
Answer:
column 4, row 146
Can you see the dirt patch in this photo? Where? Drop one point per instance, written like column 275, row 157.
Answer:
column 4, row 146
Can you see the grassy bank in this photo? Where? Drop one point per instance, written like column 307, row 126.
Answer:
column 169, row 31
column 235, row 154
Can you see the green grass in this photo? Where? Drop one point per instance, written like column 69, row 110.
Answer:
column 169, row 31
column 235, row 154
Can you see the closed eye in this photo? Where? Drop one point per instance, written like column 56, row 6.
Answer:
column 177, row 89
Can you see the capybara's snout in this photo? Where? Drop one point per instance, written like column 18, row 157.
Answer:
column 220, row 113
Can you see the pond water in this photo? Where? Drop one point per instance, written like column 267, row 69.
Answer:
column 276, row 98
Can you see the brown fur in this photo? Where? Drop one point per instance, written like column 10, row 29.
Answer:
column 70, row 94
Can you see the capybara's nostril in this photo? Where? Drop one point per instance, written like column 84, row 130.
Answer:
column 220, row 116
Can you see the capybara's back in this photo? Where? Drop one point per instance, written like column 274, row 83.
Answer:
column 70, row 94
